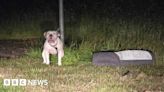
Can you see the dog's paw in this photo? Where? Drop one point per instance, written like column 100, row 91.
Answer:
column 59, row 64
column 47, row 63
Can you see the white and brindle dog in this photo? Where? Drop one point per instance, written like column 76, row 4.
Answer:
column 53, row 45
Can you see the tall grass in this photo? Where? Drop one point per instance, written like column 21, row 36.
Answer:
column 111, row 34
column 92, row 34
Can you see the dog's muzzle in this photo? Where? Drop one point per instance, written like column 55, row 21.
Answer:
column 51, row 41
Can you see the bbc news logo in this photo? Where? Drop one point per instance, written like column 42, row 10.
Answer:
column 24, row 82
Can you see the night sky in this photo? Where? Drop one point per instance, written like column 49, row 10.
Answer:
column 115, row 8
column 9, row 8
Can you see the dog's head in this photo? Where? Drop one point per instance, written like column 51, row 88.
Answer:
column 51, row 36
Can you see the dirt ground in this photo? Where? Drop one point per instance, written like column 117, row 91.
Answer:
column 15, row 48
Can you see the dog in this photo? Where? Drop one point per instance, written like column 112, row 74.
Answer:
column 53, row 45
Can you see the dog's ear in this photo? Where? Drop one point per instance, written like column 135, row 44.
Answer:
column 58, row 31
column 59, row 34
column 45, row 33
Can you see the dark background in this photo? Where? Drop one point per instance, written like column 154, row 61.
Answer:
column 127, row 9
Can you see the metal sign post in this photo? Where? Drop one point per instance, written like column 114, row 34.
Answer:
column 61, row 19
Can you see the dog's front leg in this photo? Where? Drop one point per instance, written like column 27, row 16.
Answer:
column 59, row 60
column 45, row 56
column 60, row 55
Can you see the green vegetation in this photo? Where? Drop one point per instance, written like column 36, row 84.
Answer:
column 81, row 77
column 97, row 34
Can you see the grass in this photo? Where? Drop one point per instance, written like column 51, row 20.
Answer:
column 81, row 77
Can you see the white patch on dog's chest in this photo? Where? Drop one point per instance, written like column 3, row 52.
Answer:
column 52, row 50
